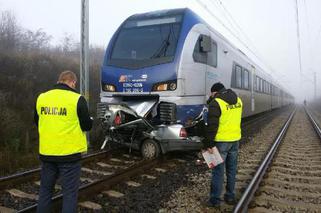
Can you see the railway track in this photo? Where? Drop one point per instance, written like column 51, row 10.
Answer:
column 32, row 174
column 289, row 177
column 86, row 191
column 100, row 180
column 19, row 191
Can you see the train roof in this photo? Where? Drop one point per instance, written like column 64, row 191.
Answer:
column 158, row 13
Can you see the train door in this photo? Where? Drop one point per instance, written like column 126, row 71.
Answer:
column 194, row 64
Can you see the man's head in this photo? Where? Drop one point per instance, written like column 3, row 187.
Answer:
column 69, row 78
column 217, row 87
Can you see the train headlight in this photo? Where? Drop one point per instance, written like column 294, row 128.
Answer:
column 172, row 86
column 108, row 88
column 165, row 86
column 161, row 87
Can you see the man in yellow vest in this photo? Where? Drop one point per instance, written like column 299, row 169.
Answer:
column 62, row 118
column 224, row 132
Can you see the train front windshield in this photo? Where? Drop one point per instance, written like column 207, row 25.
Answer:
column 147, row 42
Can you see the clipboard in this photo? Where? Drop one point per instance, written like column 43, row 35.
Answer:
column 214, row 159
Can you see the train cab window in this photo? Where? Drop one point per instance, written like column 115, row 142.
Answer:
column 245, row 77
column 238, row 76
column 209, row 58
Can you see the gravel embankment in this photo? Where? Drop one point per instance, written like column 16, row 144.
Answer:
column 191, row 197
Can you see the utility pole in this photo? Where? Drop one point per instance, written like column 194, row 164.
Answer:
column 298, row 34
column 84, row 49
column 84, row 53
column 315, row 85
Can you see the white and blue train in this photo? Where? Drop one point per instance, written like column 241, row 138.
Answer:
column 156, row 77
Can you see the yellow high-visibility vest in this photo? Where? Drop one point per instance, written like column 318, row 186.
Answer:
column 229, row 128
column 59, row 129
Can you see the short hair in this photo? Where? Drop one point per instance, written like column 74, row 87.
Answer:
column 67, row 76
column 217, row 87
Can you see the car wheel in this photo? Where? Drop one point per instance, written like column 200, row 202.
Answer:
column 150, row 149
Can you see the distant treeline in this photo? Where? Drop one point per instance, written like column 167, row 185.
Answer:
column 29, row 65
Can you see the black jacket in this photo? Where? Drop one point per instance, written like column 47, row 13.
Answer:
column 214, row 113
column 84, row 120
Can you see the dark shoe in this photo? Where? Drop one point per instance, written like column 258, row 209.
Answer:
column 212, row 205
column 230, row 201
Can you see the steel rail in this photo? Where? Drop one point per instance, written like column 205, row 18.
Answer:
column 32, row 174
column 92, row 189
column 247, row 196
column 314, row 123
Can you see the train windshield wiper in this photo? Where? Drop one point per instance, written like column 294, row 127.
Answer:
column 161, row 51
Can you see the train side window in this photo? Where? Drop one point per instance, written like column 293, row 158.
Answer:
column 266, row 87
column 257, row 84
column 261, row 85
column 198, row 55
column 238, row 76
column 245, row 79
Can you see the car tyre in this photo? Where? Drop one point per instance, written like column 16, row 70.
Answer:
column 150, row 149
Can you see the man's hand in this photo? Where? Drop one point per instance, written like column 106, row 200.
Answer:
column 210, row 150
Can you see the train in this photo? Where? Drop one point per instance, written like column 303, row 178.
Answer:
column 156, row 78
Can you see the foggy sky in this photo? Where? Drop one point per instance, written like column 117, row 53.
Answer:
column 269, row 24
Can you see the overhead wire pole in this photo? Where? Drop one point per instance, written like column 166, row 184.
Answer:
column 84, row 49
column 315, row 85
column 84, row 53
column 298, row 34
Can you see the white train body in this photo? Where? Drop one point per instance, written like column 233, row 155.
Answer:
column 162, row 65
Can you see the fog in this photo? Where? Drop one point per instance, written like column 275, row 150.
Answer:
column 268, row 28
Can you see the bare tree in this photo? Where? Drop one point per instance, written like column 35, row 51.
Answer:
column 35, row 40
column 9, row 31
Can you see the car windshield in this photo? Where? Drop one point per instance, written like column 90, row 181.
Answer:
column 146, row 40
